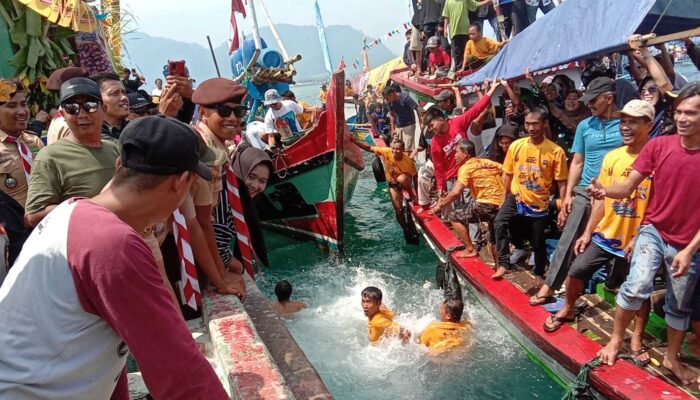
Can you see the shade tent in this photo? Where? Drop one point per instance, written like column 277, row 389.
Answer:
column 580, row 29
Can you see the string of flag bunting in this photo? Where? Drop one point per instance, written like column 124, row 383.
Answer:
column 357, row 64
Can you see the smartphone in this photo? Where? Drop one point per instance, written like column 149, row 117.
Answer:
column 133, row 70
column 176, row 68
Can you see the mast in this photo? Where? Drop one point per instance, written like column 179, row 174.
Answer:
column 256, row 39
column 273, row 28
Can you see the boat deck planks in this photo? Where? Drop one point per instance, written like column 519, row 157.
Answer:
column 569, row 347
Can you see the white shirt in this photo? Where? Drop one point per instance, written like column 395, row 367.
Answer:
column 156, row 92
column 253, row 131
column 284, row 121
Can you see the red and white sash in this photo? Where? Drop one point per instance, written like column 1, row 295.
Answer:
column 242, row 232
column 190, row 294
column 25, row 155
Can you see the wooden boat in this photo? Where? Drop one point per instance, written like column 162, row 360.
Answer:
column 314, row 179
column 565, row 351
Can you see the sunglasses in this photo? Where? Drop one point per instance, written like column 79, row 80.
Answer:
column 650, row 90
column 225, row 111
column 74, row 108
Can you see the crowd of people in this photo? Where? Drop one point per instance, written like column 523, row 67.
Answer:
column 93, row 212
column 596, row 168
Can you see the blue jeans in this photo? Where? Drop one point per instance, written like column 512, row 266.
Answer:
column 650, row 252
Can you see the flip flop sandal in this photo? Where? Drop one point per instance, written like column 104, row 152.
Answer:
column 544, row 300
column 556, row 323
column 634, row 357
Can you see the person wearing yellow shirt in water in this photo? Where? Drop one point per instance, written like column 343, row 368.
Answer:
column 610, row 231
column 399, row 170
column 448, row 333
column 479, row 49
column 381, row 319
column 530, row 170
column 483, row 178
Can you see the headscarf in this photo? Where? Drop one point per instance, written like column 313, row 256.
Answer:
column 247, row 159
column 571, row 119
column 244, row 161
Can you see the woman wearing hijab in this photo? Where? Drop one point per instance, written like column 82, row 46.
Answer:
column 663, row 123
column 252, row 168
column 566, row 119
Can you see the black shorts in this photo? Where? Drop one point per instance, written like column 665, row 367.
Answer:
column 594, row 258
column 474, row 212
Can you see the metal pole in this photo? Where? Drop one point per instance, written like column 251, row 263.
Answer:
column 213, row 57
column 274, row 31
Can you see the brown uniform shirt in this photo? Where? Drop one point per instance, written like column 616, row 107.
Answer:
column 12, row 178
column 221, row 162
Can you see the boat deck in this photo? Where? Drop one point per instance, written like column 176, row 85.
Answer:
column 596, row 323
column 566, row 350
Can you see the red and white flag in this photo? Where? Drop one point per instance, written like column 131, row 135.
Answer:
column 236, row 6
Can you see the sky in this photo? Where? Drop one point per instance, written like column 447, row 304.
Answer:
column 192, row 21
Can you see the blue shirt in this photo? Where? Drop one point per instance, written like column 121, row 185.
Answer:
column 403, row 109
column 593, row 140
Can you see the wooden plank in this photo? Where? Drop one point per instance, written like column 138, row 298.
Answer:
column 567, row 346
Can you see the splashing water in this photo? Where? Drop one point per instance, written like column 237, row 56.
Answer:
column 332, row 331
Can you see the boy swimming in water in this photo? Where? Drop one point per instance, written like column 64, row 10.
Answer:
column 381, row 319
column 284, row 306
column 448, row 333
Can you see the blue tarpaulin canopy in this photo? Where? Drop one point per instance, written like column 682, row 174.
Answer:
column 580, row 29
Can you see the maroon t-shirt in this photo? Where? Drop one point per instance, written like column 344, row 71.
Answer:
column 676, row 188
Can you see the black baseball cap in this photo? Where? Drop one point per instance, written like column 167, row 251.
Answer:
column 79, row 87
column 161, row 145
column 139, row 101
column 597, row 87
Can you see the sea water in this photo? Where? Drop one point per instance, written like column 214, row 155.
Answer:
column 332, row 331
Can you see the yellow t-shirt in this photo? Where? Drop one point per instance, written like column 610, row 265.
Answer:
column 306, row 118
column 393, row 167
column 484, row 179
column 349, row 92
column 482, row 48
column 622, row 217
column 382, row 323
column 322, row 96
column 534, row 169
column 443, row 335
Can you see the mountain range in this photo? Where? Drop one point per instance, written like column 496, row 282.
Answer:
column 149, row 54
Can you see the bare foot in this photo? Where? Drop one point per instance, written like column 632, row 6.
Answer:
column 681, row 372
column 609, row 353
column 500, row 272
column 422, row 209
column 466, row 253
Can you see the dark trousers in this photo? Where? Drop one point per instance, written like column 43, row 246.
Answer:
column 519, row 16
column 507, row 220
column 459, row 42
column 575, row 225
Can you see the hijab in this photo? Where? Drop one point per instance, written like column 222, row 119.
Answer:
column 247, row 158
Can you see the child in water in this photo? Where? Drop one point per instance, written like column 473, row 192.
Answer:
column 448, row 333
column 284, row 306
column 381, row 319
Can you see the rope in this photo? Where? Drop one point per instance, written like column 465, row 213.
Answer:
column 580, row 388
column 280, row 156
column 661, row 16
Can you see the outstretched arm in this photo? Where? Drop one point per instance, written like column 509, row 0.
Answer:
column 621, row 190
column 364, row 146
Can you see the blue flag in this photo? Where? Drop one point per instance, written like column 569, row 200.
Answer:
column 322, row 39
